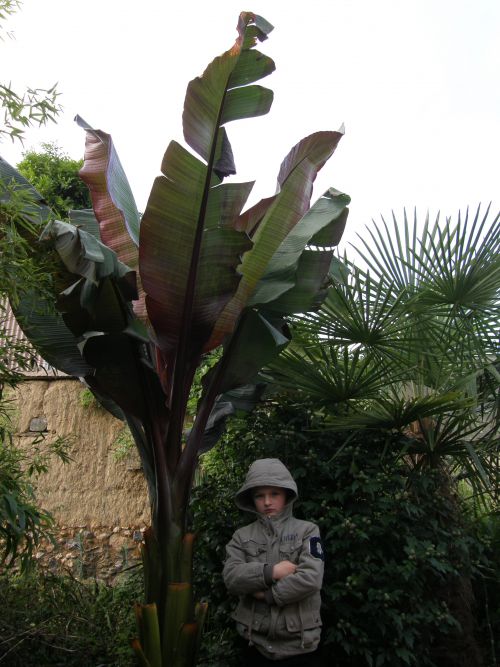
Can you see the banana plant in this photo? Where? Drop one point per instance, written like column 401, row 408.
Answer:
column 146, row 298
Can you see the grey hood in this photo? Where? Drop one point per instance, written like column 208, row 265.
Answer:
column 265, row 472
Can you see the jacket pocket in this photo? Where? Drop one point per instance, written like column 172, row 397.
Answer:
column 290, row 551
column 299, row 616
column 305, row 632
column 304, row 628
column 255, row 551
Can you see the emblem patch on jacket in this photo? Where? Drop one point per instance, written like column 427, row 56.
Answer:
column 316, row 548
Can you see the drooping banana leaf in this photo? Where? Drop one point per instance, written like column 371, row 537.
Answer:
column 111, row 341
column 85, row 218
column 96, row 307
column 84, row 255
column 49, row 335
column 42, row 325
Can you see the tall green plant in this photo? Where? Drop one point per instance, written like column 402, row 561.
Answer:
column 411, row 343
column 210, row 276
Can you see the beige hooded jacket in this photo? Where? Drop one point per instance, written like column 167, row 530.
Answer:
column 288, row 621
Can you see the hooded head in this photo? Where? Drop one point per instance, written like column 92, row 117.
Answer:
column 265, row 472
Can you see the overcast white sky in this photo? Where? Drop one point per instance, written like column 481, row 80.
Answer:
column 416, row 83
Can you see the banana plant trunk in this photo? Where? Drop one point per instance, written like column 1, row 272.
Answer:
column 169, row 623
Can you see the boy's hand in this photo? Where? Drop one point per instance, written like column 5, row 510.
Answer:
column 283, row 569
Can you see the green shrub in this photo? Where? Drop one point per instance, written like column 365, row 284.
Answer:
column 55, row 620
column 55, row 176
column 215, row 518
column 87, row 399
column 487, row 588
column 399, row 555
column 22, row 523
column 123, row 444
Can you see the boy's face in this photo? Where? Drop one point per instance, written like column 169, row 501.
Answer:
column 269, row 500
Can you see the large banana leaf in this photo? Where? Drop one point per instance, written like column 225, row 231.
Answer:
column 275, row 219
column 49, row 335
column 113, row 202
column 112, row 198
column 189, row 247
column 322, row 225
column 52, row 333
column 188, row 259
column 110, row 341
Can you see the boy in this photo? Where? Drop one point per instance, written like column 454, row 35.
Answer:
column 275, row 566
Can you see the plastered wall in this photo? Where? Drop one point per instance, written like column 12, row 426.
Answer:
column 99, row 499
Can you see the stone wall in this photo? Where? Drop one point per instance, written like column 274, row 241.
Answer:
column 98, row 499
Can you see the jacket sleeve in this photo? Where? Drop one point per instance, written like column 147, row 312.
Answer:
column 242, row 577
column 309, row 575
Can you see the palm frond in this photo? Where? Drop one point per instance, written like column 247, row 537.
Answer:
column 328, row 374
column 410, row 342
column 394, row 411
column 462, row 266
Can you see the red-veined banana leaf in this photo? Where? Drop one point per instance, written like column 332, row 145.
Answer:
column 189, row 247
column 112, row 200
column 299, row 277
column 280, row 215
column 44, row 326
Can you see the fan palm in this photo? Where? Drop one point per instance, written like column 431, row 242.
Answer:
column 410, row 342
